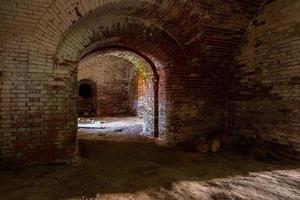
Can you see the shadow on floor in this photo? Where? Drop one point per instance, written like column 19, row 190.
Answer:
column 118, row 166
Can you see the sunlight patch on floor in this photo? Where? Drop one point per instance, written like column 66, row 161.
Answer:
column 110, row 125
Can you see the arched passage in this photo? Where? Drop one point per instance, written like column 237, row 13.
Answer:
column 151, row 44
column 143, row 90
column 87, row 98
column 192, row 44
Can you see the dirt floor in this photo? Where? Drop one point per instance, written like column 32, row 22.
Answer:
column 128, row 165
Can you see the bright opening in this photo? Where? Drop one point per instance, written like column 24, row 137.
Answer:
column 117, row 94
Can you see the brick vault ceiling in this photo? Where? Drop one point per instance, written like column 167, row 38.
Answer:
column 194, row 25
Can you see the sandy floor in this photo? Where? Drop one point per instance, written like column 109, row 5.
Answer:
column 132, row 166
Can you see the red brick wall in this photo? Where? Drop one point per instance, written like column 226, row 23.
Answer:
column 264, row 93
column 192, row 44
column 111, row 76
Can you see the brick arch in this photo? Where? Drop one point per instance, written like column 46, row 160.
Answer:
column 48, row 53
column 59, row 16
column 125, row 53
column 152, row 115
column 187, row 21
column 89, row 82
column 149, row 41
column 196, row 44
column 177, row 29
column 126, row 31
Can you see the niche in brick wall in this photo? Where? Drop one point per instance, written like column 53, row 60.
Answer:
column 87, row 98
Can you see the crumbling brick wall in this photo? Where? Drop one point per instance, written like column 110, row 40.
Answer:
column 264, row 98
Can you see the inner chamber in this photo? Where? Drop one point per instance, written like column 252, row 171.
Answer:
column 116, row 86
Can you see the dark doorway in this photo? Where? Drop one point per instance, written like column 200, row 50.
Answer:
column 87, row 98
column 85, row 91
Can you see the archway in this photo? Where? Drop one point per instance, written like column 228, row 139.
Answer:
column 87, row 98
column 153, row 45
column 127, row 83
column 185, row 39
